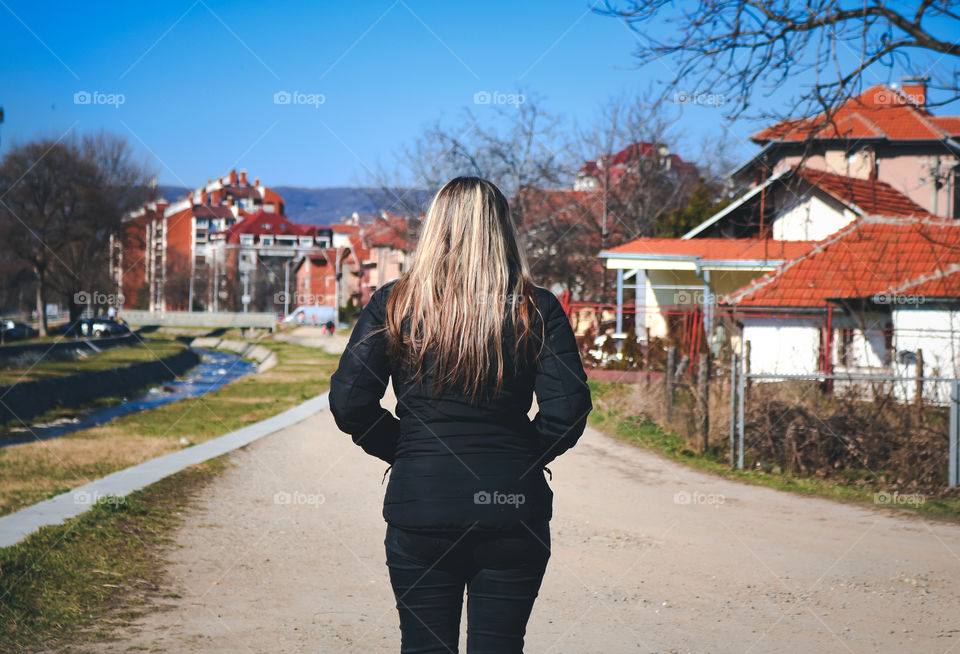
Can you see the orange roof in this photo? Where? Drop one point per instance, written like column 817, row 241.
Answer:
column 869, row 256
column 878, row 112
column 871, row 196
column 714, row 249
column 942, row 283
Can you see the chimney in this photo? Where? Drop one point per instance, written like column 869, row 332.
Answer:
column 216, row 197
column 203, row 196
column 243, row 177
column 233, row 177
column 915, row 88
column 256, row 182
column 220, row 180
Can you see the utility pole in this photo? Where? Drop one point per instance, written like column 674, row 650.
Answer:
column 193, row 259
column 336, row 286
column 286, row 288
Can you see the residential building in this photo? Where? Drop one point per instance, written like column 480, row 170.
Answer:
column 864, row 300
column 884, row 155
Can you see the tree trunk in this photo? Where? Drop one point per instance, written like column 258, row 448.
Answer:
column 41, row 305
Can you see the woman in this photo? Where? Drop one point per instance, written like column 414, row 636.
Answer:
column 467, row 338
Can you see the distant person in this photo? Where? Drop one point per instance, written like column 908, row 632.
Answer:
column 112, row 313
column 330, row 327
column 468, row 503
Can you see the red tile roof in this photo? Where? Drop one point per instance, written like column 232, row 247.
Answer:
column 389, row 232
column 716, row 249
column 870, row 196
column 942, row 283
column 212, row 211
column 263, row 222
column 878, row 112
column 867, row 257
column 621, row 161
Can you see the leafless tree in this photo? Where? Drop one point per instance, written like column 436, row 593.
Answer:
column 737, row 51
column 60, row 201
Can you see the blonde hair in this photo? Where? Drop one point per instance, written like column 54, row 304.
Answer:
column 466, row 268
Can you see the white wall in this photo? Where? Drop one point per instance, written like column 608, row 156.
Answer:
column 937, row 332
column 809, row 219
column 785, row 346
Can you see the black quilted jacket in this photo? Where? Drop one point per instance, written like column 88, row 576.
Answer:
column 454, row 466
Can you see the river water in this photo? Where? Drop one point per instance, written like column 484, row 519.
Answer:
column 215, row 370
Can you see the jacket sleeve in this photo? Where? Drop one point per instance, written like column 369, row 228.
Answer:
column 560, row 383
column 359, row 384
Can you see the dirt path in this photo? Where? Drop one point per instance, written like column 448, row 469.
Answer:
column 751, row 570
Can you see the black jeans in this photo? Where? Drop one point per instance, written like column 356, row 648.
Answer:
column 501, row 570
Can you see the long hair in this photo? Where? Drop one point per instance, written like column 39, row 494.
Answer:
column 469, row 280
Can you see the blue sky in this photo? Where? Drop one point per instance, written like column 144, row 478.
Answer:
column 198, row 78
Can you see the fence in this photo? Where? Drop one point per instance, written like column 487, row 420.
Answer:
column 855, row 428
column 861, row 406
column 201, row 319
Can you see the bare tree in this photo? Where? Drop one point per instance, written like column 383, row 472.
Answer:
column 118, row 184
column 60, row 201
column 738, row 50
column 519, row 146
column 635, row 177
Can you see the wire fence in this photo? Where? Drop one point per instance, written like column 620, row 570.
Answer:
column 852, row 428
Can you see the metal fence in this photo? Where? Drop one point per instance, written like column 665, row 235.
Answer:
column 930, row 418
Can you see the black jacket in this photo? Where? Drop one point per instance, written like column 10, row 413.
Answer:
column 456, row 466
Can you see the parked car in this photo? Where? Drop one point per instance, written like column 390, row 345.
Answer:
column 107, row 327
column 312, row 315
column 95, row 328
column 16, row 331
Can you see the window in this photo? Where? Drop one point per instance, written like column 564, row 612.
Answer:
column 246, row 239
column 845, row 347
column 266, row 240
column 888, row 345
column 306, row 241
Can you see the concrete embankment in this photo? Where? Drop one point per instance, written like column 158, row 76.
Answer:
column 264, row 358
column 24, row 400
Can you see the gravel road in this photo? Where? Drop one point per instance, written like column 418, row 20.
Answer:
column 284, row 553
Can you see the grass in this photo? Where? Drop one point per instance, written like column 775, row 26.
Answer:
column 81, row 579
column 33, row 472
column 642, row 432
column 150, row 349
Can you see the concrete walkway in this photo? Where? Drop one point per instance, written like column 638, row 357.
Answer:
column 284, row 553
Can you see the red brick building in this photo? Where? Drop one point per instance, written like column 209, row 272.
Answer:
column 168, row 250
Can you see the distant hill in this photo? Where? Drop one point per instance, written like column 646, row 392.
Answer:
column 315, row 206
column 327, row 205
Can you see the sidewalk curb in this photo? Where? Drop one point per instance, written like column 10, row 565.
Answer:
column 17, row 526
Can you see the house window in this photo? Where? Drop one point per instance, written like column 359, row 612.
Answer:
column 845, row 347
column 888, row 345
column 266, row 240
column 306, row 241
column 246, row 239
